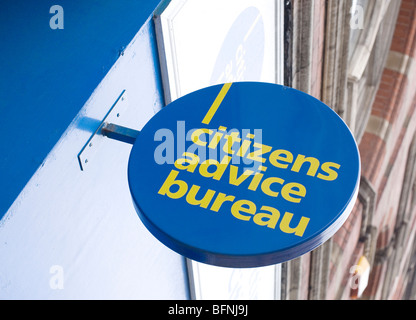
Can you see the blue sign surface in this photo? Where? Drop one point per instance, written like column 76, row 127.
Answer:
column 244, row 174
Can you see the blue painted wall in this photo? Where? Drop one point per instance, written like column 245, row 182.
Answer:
column 47, row 75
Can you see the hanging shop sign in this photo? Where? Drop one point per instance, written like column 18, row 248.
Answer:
column 244, row 174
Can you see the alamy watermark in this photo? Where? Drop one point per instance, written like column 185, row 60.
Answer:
column 211, row 145
column 56, row 281
column 357, row 17
column 355, row 272
column 57, row 20
column 359, row 277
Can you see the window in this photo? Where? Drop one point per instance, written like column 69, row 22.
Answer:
column 202, row 43
column 369, row 45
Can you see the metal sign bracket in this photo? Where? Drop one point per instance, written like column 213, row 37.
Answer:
column 108, row 129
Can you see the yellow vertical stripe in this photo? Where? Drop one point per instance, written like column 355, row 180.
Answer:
column 216, row 104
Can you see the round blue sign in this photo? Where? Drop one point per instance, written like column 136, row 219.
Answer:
column 244, row 174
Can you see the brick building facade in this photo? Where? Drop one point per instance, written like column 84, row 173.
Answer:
column 359, row 58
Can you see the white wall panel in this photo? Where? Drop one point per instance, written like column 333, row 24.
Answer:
column 74, row 234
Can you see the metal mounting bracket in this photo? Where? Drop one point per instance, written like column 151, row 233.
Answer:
column 107, row 129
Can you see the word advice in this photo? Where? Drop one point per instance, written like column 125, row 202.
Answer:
column 176, row 187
